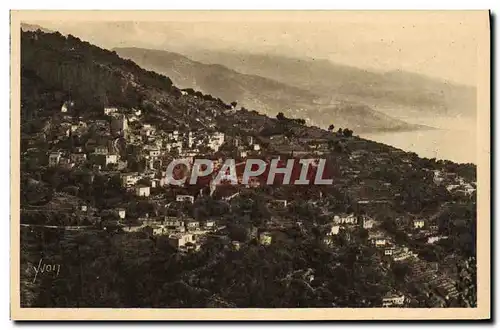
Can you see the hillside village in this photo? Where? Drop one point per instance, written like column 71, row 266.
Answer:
column 393, row 230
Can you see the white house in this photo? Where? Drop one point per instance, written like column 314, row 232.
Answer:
column 66, row 106
column 279, row 203
column 153, row 153
column 74, row 128
column 393, row 300
column 54, row 158
column 156, row 183
column 328, row 240
column 265, row 238
column 402, row 254
column 78, row 157
column 334, row 230
column 119, row 124
column 66, row 163
column 215, row 140
column 174, row 145
column 174, row 135
column 190, row 139
column 235, row 245
column 188, row 153
column 173, row 222
column 101, row 150
column 468, row 189
column 121, row 213
column 147, row 130
column 437, row 177
column 368, row 223
column 193, row 225
column 111, row 159
column 209, row 224
column 418, row 224
column 379, row 241
column 129, row 179
column 142, row 190
column 388, row 251
column 451, row 187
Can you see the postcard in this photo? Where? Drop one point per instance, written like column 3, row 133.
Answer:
column 250, row 165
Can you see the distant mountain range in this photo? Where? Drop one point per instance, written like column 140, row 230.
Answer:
column 263, row 94
column 251, row 90
column 333, row 81
column 319, row 91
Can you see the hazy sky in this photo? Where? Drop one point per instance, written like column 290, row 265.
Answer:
column 439, row 44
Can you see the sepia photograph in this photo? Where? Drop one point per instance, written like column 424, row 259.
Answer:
column 250, row 165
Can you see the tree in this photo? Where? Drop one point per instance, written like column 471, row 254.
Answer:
column 280, row 116
column 331, row 127
column 190, row 91
column 347, row 132
column 237, row 232
column 234, row 104
column 208, row 97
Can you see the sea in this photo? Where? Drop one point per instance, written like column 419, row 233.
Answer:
column 451, row 138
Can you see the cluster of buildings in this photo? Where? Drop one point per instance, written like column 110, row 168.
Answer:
column 348, row 222
column 96, row 157
column 183, row 233
column 120, row 141
column 454, row 183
